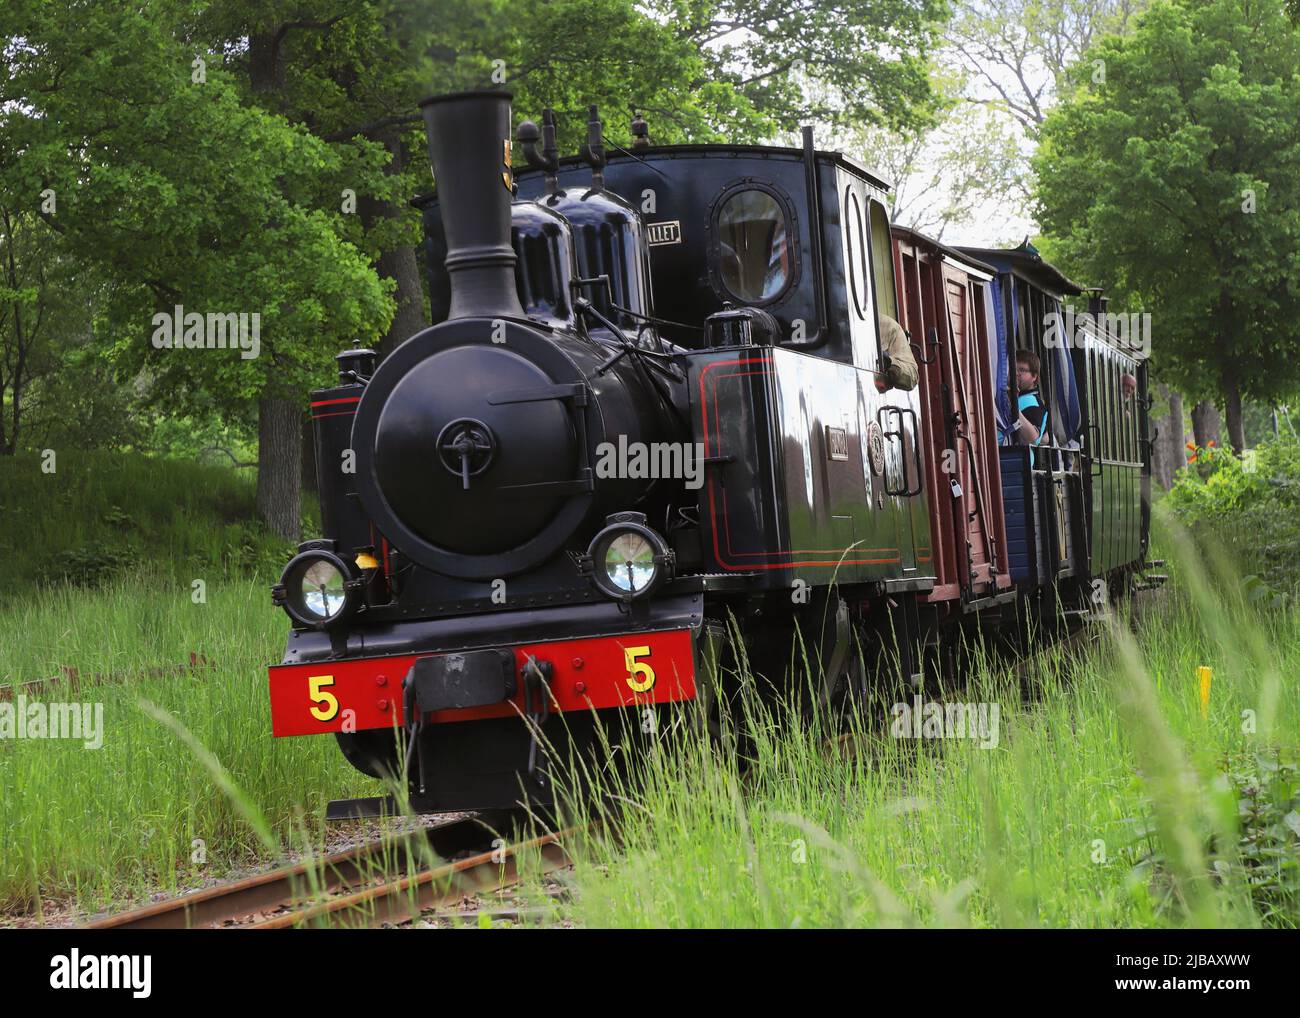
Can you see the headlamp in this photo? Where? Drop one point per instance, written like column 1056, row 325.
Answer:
column 627, row 559
column 318, row 589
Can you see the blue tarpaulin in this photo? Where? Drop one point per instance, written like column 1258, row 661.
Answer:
column 998, row 351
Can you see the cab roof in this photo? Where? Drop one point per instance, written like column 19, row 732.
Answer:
column 724, row 151
column 1028, row 265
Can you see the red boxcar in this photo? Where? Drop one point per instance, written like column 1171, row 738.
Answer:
column 944, row 304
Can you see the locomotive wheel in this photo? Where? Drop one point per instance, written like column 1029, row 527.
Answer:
column 827, row 683
column 716, row 700
column 374, row 751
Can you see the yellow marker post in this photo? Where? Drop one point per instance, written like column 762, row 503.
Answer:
column 1205, row 674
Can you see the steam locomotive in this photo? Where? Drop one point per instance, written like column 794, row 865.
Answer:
column 645, row 438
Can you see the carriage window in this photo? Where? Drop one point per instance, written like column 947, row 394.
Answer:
column 1112, row 424
column 1126, row 418
column 1091, row 395
column 1102, row 423
column 1130, row 412
column 1121, row 404
column 1094, row 403
column 882, row 262
column 1107, row 443
column 755, row 256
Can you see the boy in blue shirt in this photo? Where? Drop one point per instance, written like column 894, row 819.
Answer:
column 1031, row 421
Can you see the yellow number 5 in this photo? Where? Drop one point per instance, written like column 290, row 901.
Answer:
column 319, row 694
column 640, row 676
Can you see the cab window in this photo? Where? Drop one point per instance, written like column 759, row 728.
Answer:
column 882, row 261
column 855, row 241
column 755, row 252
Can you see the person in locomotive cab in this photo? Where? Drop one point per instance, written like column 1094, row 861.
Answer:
column 1031, row 421
column 1128, row 389
column 898, row 365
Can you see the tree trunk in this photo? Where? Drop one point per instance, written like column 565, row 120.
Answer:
column 279, row 418
column 399, row 264
column 1205, row 423
column 265, row 69
column 279, row 464
column 1167, row 452
column 1232, row 404
column 1177, row 446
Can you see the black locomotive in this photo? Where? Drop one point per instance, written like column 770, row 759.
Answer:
column 644, row 435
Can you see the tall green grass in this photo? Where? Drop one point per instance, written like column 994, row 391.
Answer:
column 1107, row 802
column 99, row 515
column 117, row 570
column 98, row 824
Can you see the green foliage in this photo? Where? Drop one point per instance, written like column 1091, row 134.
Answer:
column 869, row 57
column 179, row 192
column 1170, row 177
column 86, row 566
column 1221, row 485
column 45, row 334
column 1262, row 797
column 698, row 70
column 1250, row 511
column 82, row 403
column 1267, row 785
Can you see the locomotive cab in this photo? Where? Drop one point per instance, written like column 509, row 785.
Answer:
column 787, row 251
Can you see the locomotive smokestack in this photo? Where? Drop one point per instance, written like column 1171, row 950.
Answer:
column 469, row 146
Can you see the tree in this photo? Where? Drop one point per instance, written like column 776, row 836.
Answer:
column 871, row 56
column 55, row 390
column 201, row 152
column 1167, row 451
column 1021, row 53
column 28, row 301
column 1176, row 179
column 1015, row 57
column 186, row 196
column 942, row 175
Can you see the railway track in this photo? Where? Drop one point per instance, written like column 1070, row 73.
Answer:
column 358, row 887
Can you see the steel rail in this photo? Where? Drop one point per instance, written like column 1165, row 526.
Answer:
column 228, row 902
column 406, row 898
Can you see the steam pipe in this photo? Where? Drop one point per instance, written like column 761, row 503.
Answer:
column 594, row 150
column 813, row 196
